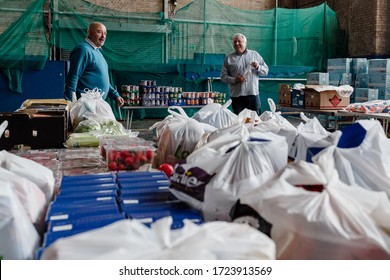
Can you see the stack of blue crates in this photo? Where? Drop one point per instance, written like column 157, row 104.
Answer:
column 147, row 198
column 86, row 202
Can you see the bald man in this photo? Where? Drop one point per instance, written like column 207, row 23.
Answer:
column 241, row 71
column 88, row 68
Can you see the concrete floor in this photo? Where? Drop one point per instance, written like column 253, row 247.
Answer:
column 142, row 126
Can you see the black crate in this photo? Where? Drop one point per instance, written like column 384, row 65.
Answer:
column 36, row 130
column 297, row 98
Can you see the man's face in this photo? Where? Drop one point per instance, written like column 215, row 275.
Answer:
column 239, row 44
column 97, row 34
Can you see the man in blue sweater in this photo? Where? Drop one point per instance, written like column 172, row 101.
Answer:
column 88, row 68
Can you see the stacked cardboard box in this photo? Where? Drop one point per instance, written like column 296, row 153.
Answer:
column 379, row 77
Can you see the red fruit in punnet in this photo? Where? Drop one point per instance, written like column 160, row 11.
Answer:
column 113, row 166
column 166, row 168
column 149, row 155
column 129, row 161
column 114, row 156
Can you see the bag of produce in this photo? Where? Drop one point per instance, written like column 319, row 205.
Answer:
column 90, row 105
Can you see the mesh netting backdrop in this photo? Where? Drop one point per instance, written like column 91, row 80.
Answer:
column 182, row 51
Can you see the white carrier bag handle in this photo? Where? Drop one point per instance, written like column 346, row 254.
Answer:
column 272, row 105
column 227, row 104
column 3, row 126
column 253, row 119
column 182, row 114
column 303, row 117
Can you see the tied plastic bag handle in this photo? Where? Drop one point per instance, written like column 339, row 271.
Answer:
column 181, row 111
column 3, row 126
column 253, row 120
column 93, row 93
column 303, row 117
column 272, row 105
column 227, row 104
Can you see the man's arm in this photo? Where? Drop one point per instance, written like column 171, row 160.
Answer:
column 262, row 68
column 76, row 69
column 114, row 94
column 225, row 77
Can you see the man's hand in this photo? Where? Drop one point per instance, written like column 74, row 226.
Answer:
column 120, row 101
column 255, row 64
column 239, row 79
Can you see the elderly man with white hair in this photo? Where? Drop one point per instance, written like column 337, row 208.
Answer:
column 240, row 71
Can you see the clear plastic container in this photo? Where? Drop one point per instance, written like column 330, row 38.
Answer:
column 128, row 157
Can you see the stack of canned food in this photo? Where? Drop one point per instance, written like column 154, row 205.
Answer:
column 130, row 94
column 147, row 93
column 203, row 98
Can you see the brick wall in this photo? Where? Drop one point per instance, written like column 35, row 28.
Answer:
column 131, row 5
column 365, row 22
column 158, row 5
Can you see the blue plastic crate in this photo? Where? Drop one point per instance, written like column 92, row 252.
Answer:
column 88, row 176
column 87, row 182
column 148, row 217
column 89, row 188
column 87, row 194
column 87, row 222
column 66, row 202
column 140, row 174
column 158, row 184
column 145, row 198
column 68, row 213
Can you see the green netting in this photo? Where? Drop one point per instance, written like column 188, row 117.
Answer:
column 23, row 43
column 180, row 51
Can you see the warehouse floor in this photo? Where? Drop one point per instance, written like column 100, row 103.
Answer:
column 143, row 127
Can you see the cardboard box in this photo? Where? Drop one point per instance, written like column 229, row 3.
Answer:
column 364, row 95
column 285, row 95
column 339, row 65
column 327, row 99
column 338, row 79
column 317, row 78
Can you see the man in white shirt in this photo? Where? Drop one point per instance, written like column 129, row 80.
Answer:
column 240, row 71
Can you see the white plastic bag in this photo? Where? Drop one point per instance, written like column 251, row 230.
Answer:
column 216, row 115
column 311, row 134
column 90, row 105
column 272, row 121
column 220, row 172
column 30, row 196
column 248, row 116
column 131, row 240
column 362, row 156
column 19, row 238
column 316, row 216
column 22, row 167
column 178, row 138
column 237, row 129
